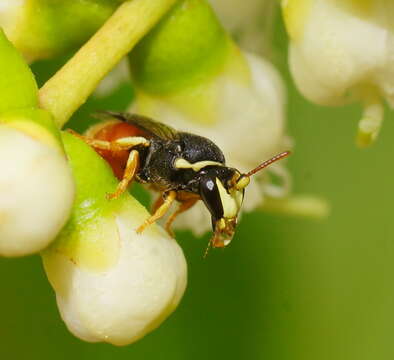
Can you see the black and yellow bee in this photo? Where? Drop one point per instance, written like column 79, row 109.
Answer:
column 181, row 166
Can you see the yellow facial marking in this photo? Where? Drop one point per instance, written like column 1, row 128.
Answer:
column 238, row 196
column 295, row 14
column 230, row 202
column 184, row 164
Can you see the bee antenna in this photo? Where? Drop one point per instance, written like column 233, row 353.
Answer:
column 267, row 163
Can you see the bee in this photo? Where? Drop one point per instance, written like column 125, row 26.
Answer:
column 181, row 166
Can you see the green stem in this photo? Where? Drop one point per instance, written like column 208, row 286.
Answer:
column 69, row 88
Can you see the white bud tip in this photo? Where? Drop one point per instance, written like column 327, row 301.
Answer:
column 370, row 124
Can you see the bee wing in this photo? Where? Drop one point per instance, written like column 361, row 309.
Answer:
column 150, row 126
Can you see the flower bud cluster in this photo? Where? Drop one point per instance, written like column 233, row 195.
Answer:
column 112, row 284
column 341, row 51
column 37, row 188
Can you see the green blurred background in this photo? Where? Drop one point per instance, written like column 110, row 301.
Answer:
column 286, row 289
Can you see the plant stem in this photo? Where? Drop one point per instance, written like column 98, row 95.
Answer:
column 69, row 88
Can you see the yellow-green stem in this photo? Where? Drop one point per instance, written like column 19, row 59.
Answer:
column 69, row 88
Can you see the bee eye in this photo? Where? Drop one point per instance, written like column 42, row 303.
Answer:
column 209, row 193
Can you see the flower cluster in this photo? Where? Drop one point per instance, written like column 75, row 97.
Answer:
column 112, row 284
column 341, row 52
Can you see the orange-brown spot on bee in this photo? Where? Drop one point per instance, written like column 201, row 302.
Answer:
column 116, row 158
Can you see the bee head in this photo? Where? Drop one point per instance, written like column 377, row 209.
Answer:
column 223, row 200
column 222, row 190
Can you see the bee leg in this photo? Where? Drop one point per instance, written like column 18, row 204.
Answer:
column 184, row 206
column 97, row 144
column 125, row 143
column 129, row 142
column 131, row 169
column 159, row 201
column 160, row 212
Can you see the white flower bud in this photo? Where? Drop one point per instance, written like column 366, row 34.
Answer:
column 342, row 51
column 36, row 190
column 124, row 285
column 112, row 285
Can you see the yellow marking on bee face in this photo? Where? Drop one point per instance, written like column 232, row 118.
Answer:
column 230, row 202
column 238, row 196
column 184, row 164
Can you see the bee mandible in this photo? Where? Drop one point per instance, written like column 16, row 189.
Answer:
column 180, row 165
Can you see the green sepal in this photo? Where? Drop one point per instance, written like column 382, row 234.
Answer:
column 36, row 122
column 90, row 237
column 188, row 46
column 93, row 177
column 18, row 88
